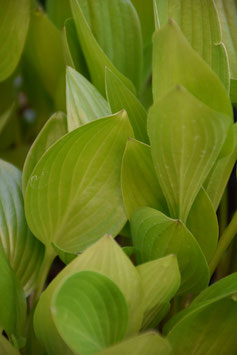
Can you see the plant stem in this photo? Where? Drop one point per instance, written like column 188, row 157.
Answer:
column 42, row 277
column 225, row 240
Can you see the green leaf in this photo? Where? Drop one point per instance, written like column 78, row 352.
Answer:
column 72, row 49
column 90, row 312
column 6, row 348
column 214, row 307
column 156, row 235
column 95, row 53
column 140, row 186
column 44, row 52
column 204, row 36
column 54, row 129
column 120, row 97
column 12, row 302
column 14, row 23
column 160, row 281
column 84, row 102
column 120, row 39
column 227, row 12
column 58, row 11
column 89, row 183
column 186, row 138
column 5, row 117
column 23, row 251
column 185, row 67
column 203, row 224
column 149, row 343
column 106, row 257
column 219, row 175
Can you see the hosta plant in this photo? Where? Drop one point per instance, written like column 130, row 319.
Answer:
column 117, row 177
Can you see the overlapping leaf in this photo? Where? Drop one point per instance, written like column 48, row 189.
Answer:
column 204, row 36
column 227, row 12
column 58, row 11
column 156, row 235
column 84, row 102
column 219, row 175
column 140, row 186
column 44, row 54
column 214, row 307
column 6, row 348
column 106, row 257
column 186, row 138
column 160, row 281
column 14, row 23
column 203, row 224
column 175, row 62
column 95, row 35
column 90, row 312
column 149, row 343
column 71, row 202
column 54, row 129
column 120, row 97
column 12, row 302
column 72, row 49
column 23, row 251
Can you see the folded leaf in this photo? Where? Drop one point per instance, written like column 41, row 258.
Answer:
column 204, row 36
column 84, row 102
column 90, row 312
column 120, row 97
column 78, row 179
column 186, row 138
column 156, row 235
column 149, row 343
column 214, row 307
column 140, row 185
column 175, row 62
column 23, row 251
column 12, row 302
column 203, row 224
column 160, row 281
column 219, row 175
column 72, row 49
column 95, row 53
column 54, row 129
column 14, row 23
column 106, row 257
column 227, row 12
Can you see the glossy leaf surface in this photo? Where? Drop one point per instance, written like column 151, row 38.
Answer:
column 14, row 23
column 54, row 129
column 89, row 193
column 156, row 235
column 84, row 102
column 186, row 138
column 23, row 251
column 90, row 312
